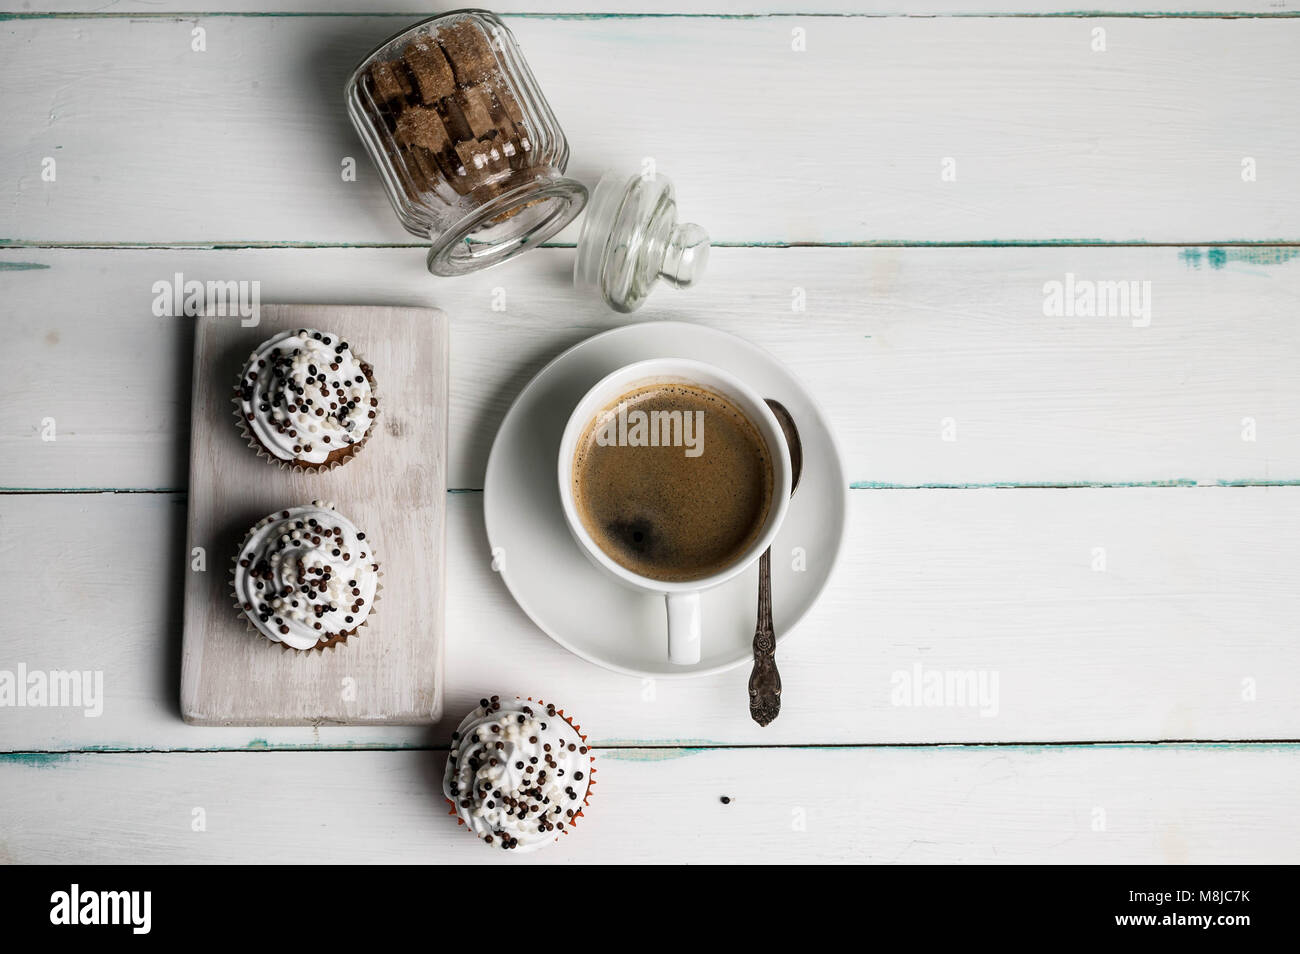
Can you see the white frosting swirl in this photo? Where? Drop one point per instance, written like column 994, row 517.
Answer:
column 517, row 774
column 305, row 395
column 306, row 574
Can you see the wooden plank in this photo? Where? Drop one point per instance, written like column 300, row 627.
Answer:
column 846, row 141
column 1087, row 805
column 597, row 8
column 895, row 343
column 394, row 490
column 1184, row 634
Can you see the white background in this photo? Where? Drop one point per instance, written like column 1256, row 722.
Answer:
column 1144, row 709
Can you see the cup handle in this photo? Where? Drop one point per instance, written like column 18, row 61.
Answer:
column 683, row 628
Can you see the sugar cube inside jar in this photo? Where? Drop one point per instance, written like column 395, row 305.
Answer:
column 469, row 152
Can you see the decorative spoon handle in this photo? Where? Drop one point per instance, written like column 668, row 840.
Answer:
column 764, row 681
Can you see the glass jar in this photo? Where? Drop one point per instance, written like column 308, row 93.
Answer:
column 470, row 154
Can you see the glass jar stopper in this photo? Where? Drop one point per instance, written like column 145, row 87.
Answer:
column 631, row 239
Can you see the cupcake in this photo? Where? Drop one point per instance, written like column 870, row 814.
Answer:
column 306, row 401
column 306, row 577
column 519, row 773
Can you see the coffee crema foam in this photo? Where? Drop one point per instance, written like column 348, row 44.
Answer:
column 659, row 511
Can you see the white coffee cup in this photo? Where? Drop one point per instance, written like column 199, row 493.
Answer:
column 682, row 598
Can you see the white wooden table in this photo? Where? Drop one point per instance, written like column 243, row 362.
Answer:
column 1102, row 512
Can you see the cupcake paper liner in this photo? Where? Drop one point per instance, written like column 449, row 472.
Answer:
column 299, row 467
column 322, row 645
column 591, row 775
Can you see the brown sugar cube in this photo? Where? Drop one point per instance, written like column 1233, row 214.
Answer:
column 465, row 179
column 479, row 157
column 433, row 75
column 510, row 106
column 416, row 170
column 417, row 126
column 388, row 83
column 456, row 123
column 512, row 133
column 482, row 162
column 424, row 167
column 469, row 52
column 476, row 104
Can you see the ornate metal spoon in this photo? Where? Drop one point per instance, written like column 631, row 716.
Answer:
column 765, row 681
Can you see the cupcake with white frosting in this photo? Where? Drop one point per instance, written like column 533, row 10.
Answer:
column 306, row 401
column 306, row 577
column 519, row 773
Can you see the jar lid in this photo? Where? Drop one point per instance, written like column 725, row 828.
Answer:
column 631, row 240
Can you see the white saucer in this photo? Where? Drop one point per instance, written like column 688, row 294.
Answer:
column 588, row 612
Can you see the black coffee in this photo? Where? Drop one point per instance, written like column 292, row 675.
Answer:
column 673, row 481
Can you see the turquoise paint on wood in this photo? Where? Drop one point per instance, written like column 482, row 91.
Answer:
column 650, row 752
column 35, row 759
column 1216, row 257
column 180, row 492
column 645, row 754
column 1021, row 485
column 1285, row 248
column 92, row 490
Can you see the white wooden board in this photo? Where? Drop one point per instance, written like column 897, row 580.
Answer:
column 1188, row 632
column 846, row 140
column 1150, row 805
column 892, row 342
column 413, row 9
column 394, row 489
